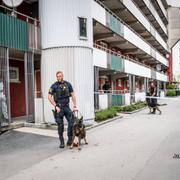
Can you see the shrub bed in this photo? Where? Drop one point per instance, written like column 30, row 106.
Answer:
column 105, row 114
column 171, row 93
column 112, row 112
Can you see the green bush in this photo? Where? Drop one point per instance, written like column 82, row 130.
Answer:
column 105, row 114
column 134, row 107
column 171, row 86
column 171, row 93
column 118, row 108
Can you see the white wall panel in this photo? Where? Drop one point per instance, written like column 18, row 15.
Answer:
column 77, row 65
column 136, row 40
column 161, row 59
column 161, row 41
column 127, row 99
column 84, row 82
column 60, row 25
column 99, row 58
column 38, row 110
column 139, row 96
column 137, row 13
column 98, row 13
column 176, row 61
column 103, row 101
column 161, row 77
column 136, row 69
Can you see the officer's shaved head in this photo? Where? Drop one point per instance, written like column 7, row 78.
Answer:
column 59, row 76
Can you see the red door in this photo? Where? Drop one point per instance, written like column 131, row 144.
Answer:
column 17, row 88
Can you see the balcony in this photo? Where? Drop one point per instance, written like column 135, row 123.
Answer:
column 110, row 28
column 17, row 33
column 148, row 9
column 113, row 61
column 159, row 6
column 132, row 15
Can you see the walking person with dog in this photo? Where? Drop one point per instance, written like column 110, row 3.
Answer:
column 153, row 93
column 59, row 95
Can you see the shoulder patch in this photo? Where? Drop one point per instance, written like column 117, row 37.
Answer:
column 50, row 90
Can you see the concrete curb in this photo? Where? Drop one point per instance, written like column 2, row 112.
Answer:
column 104, row 122
column 12, row 126
column 54, row 127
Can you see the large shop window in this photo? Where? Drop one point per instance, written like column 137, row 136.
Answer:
column 82, row 28
column 14, row 74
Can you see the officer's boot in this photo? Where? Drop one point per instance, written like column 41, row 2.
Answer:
column 69, row 142
column 61, row 138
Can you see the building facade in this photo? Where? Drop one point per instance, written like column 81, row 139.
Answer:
column 121, row 42
column 174, row 41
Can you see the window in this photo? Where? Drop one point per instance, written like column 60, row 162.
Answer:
column 14, row 74
column 83, row 28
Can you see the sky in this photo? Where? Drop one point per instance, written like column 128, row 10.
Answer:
column 175, row 3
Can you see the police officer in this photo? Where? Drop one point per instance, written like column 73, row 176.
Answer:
column 59, row 95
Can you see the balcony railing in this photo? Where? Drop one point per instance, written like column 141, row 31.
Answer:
column 18, row 23
column 100, row 91
column 109, row 51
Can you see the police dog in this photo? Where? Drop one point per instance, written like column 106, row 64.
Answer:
column 152, row 103
column 78, row 131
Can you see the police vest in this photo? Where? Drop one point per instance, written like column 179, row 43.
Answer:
column 62, row 94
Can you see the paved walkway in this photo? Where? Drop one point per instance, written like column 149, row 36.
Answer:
column 137, row 147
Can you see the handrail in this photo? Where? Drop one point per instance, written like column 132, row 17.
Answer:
column 123, row 56
column 106, row 8
column 27, row 17
column 112, row 91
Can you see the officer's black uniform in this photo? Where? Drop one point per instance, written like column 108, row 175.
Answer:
column 61, row 92
column 153, row 103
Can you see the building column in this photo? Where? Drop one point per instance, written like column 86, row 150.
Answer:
column 164, row 85
column 96, row 87
column 29, row 86
column 146, row 84
column 132, row 88
column 158, row 88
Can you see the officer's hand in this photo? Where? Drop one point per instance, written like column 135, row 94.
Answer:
column 75, row 109
column 58, row 109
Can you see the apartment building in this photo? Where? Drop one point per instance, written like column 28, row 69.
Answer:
column 122, row 42
column 130, row 38
column 174, row 41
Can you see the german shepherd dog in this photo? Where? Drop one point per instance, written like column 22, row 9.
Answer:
column 152, row 103
column 78, row 131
